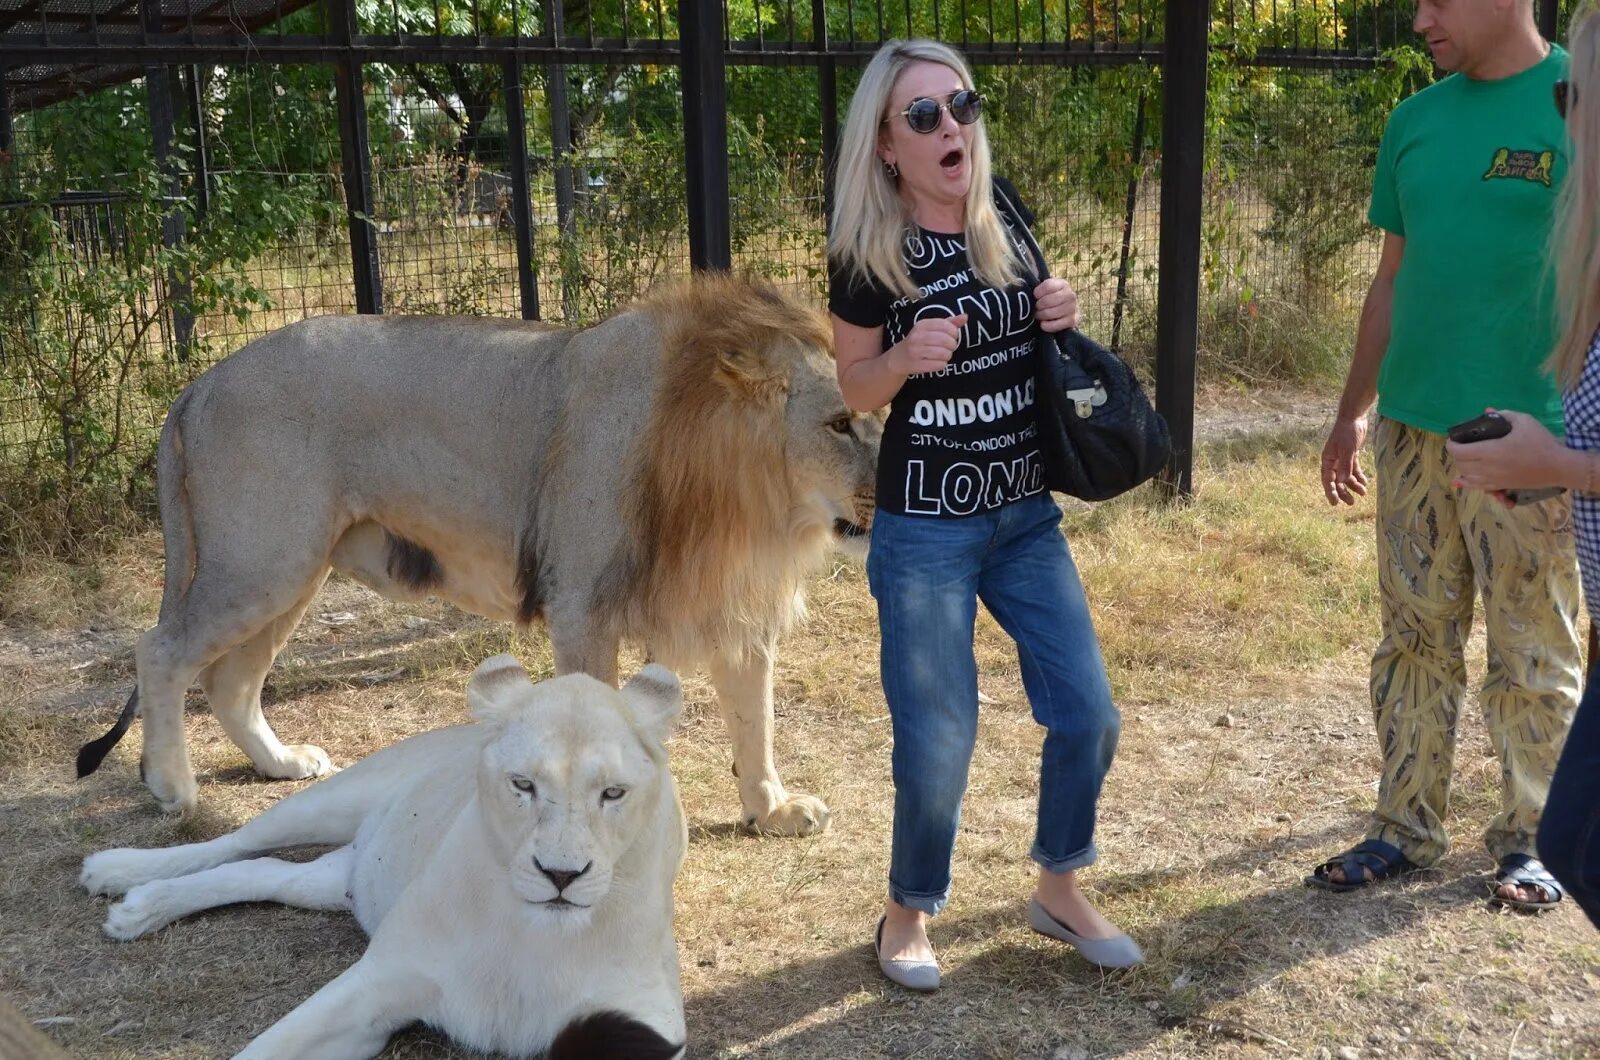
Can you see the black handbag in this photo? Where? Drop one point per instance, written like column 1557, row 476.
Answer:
column 1100, row 435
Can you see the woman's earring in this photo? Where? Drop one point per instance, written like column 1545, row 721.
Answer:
column 891, row 169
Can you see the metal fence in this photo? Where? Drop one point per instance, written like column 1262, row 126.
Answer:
column 284, row 159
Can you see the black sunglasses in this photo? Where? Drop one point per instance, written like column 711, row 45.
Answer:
column 923, row 114
column 1566, row 97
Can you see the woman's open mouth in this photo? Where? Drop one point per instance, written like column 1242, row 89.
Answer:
column 951, row 160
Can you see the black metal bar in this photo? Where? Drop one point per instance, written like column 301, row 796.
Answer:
column 356, row 163
column 7, row 134
column 705, row 132
column 1183, row 131
column 70, row 199
column 159, row 85
column 1294, row 60
column 555, row 94
column 202, row 148
column 1127, row 225
column 23, row 50
column 828, row 104
column 521, row 209
column 1549, row 18
column 828, row 89
column 129, row 24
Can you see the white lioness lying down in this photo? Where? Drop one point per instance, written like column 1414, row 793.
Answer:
column 515, row 876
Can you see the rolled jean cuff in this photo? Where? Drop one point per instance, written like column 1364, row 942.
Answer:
column 1087, row 856
column 922, row 903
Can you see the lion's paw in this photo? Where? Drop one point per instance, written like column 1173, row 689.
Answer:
column 300, row 761
column 798, row 815
column 174, row 789
column 141, row 912
column 114, row 872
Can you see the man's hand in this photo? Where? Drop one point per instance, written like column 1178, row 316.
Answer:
column 1342, row 477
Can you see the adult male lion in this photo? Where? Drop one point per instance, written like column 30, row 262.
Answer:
column 515, row 876
column 667, row 476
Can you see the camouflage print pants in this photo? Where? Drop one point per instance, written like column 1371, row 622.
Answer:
column 1435, row 544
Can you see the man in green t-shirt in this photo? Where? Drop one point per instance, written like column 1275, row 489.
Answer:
column 1459, row 318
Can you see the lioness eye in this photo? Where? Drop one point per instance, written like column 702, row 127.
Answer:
column 612, row 794
column 523, row 784
column 840, row 424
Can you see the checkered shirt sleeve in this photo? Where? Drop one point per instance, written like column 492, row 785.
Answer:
column 1582, row 413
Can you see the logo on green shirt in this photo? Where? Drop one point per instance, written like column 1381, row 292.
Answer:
column 1522, row 165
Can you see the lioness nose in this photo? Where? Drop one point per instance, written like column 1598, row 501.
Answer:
column 561, row 877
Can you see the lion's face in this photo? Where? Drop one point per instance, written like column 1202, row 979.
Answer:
column 570, row 779
column 832, row 451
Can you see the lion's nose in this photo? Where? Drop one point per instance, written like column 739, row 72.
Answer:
column 561, row 877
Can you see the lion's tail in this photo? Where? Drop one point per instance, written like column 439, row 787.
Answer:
column 610, row 1035
column 177, row 532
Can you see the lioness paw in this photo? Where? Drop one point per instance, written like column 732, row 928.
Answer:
column 114, row 872
column 798, row 815
column 138, row 914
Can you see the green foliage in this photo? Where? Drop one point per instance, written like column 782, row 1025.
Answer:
column 1315, row 138
column 90, row 352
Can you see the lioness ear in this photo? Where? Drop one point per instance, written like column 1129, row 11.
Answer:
column 656, row 698
column 491, row 692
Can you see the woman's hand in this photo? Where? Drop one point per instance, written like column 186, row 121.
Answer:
column 928, row 346
column 1055, row 304
column 1529, row 457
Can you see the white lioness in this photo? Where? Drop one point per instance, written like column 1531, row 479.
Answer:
column 667, row 477
column 515, row 876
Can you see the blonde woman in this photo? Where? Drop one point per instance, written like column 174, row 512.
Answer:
column 932, row 317
column 1531, row 457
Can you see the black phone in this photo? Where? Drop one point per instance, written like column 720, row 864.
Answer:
column 1493, row 425
column 1480, row 428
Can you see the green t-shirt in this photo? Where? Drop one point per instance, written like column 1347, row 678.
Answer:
column 1467, row 174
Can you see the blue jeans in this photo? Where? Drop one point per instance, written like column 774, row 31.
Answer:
column 1569, row 830
column 928, row 576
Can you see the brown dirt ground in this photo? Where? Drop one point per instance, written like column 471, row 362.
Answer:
column 1205, row 832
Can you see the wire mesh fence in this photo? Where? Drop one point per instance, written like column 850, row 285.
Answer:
column 126, row 269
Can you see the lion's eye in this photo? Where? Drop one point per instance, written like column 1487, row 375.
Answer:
column 840, row 424
column 612, row 794
column 523, row 784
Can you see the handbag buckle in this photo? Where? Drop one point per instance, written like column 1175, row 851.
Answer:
column 1086, row 399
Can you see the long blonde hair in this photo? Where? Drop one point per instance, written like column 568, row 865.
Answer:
column 870, row 220
column 1577, row 230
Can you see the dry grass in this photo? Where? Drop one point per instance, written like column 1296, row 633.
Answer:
column 1255, row 601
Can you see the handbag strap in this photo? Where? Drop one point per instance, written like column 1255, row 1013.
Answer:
column 1090, row 387
column 1042, row 268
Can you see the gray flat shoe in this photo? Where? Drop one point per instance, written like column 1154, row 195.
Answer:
column 913, row 975
column 1118, row 951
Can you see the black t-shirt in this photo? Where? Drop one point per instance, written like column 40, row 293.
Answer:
column 964, row 439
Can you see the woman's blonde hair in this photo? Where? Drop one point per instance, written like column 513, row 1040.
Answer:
column 870, row 220
column 1577, row 230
